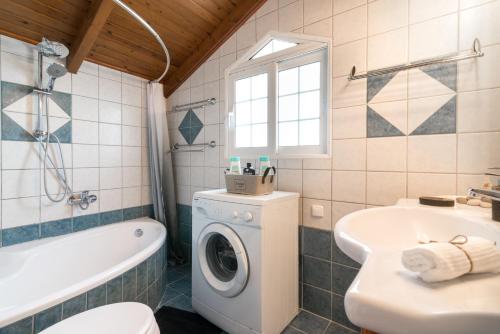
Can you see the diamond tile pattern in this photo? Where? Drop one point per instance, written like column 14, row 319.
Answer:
column 190, row 126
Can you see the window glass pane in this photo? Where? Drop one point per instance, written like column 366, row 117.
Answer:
column 309, row 105
column 259, row 86
column 259, row 135
column 309, row 132
column 243, row 113
column 288, row 134
column 288, row 108
column 243, row 136
column 242, row 92
column 282, row 45
column 259, row 111
column 288, row 81
column 310, row 77
column 268, row 49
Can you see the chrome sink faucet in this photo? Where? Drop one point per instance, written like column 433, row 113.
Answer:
column 493, row 194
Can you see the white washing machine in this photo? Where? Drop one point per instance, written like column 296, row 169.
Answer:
column 245, row 260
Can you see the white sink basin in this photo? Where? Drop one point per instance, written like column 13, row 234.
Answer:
column 388, row 299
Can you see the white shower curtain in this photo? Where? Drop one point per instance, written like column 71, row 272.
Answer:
column 161, row 170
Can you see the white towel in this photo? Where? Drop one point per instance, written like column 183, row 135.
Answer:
column 442, row 261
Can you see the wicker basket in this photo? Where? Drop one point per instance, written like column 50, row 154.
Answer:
column 250, row 184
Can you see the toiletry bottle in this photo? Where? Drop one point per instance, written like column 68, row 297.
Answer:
column 264, row 163
column 249, row 170
column 235, row 166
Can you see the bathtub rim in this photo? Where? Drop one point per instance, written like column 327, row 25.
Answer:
column 20, row 312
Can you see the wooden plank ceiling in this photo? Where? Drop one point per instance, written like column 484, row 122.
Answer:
column 103, row 33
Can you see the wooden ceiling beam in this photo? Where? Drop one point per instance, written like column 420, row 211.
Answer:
column 224, row 30
column 91, row 27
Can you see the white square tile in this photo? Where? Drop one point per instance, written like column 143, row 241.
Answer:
column 20, row 155
column 349, row 154
column 322, row 28
column 110, row 178
column 110, row 134
column 85, row 108
column 388, row 49
column 144, row 156
column 131, row 95
column 480, row 73
column 434, row 38
column 85, row 85
column 89, row 68
column 20, row 212
column 211, row 72
column 422, row 10
column 291, row 17
column 395, row 112
column 341, row 209
column 350, row 26
column 325, row 222
column 146, row 198
column 85, row 156
column 384, row 188
column 110, row 156
column 131, row 115
column 385, row 15
column 432, row 153
column 110, row 112
column 229, row 46
column 349, row 186
column 211, row 176
column 290, row 180
column 110, row 90
column 146, row 176
column 182, row 176
column 467, row 181
column 347, row 55
column 267, row 7
column 349, row 122
column 340, row 6
column 478, row 151
column 477, row 111
column 17, row 69
column 420, row 184
column 386, row 154
column 131, row 156
column 246, row 35
column 20, row 183
column 211, row 157
column 211, row 90
column 109, row 73
column 197, row 178
column 131, row 197
column 85, row 132
column 482, row 23
column 183, row 195
column 348, row 93
column 132, row 176
column 316, row 10
column 267, row 23
column 17, row 47
column 471, row 3
column 110, row 199
column 54, row 210
column 317, row 184
column 319, row 163
column 85, row 179
column 131, row 136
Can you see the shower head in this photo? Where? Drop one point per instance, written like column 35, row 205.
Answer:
column 52, row 49
column 55, row 71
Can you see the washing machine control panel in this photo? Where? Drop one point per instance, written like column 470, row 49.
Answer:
column 228, row 212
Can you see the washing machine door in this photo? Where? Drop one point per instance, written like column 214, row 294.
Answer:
column 223, row 259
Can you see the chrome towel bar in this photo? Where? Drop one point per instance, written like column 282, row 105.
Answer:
column 194, row 105
column 178, row 147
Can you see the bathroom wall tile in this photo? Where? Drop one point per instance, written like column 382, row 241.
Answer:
column 47, row 318
column 316, row 243
column 110, row 112
column 320, row 163
column 17, row 47
column 341, row 209
column 131, row 115
column 338, row 312
column 478, row 151
column 131, row 156
column 316, row 10
column 131, row 136
column 110, row 200
column 350, row 25
column 348, row 93
column 309, row 323
column 15, row 235
column 211, row 177
column 349, row 186
column 349, row 122
column 85, row 85
column 433, row 38
column 85, row 179
column 308, row 220
column 317, row 184
column 467, row 181
column 110, row 217
column 85, row 156
column 110, row 178
column 85, row 132
column 20, row 183
column 385, row 15
column 109, row 90
column 20, row 212
column 386, row 154
column 291, row 17
column 342, row 278
column 56, row 227
column 317, row 301
column 114, row 290
column 132, row 176
column 74, row 306
column 422, row 10
column 131, row 198
column 85, row 222
column 19, row 155
column 246, row 35
column 266, row 23
column 420, row 184
column 389, row 48
column 110, row 134
column 347, row 55
column 482, row 23
column 317, row 272
column 146, row 195
column 434, row 153
column 84, row 108
column 110, row 156
column 130, row 285
column 54, row 210
column 432, row 115
column 339, row 257
column 480, row 73
column 290, row 180
column 16, row 69
column 477, row 111
column 349, row 154
column 340, row 6
column 109, row 73
column 96, row 297
column 24, row 326
column 472, row 3
column 393, row 185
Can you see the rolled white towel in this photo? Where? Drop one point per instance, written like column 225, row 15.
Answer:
column 441, row 261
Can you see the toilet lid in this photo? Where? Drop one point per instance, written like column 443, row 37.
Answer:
column 120, row 318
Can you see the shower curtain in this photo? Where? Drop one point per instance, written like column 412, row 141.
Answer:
column 161, row 170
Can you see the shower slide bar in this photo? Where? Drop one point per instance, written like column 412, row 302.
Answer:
column 178, row 147
column 475, row 52
column 194, row 105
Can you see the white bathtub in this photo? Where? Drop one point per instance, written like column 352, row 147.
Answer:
column 37, row 275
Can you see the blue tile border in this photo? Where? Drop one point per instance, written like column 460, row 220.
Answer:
column 112, row 291
column 20, row 234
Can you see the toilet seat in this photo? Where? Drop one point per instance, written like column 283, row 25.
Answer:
column 120, row 318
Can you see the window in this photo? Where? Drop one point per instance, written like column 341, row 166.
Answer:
column 277, row 98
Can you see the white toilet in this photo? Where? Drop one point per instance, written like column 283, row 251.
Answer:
column 120, row 318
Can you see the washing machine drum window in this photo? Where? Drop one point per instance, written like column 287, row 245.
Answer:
column 223, row 259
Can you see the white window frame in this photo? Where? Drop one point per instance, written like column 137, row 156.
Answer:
column 308, row 49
